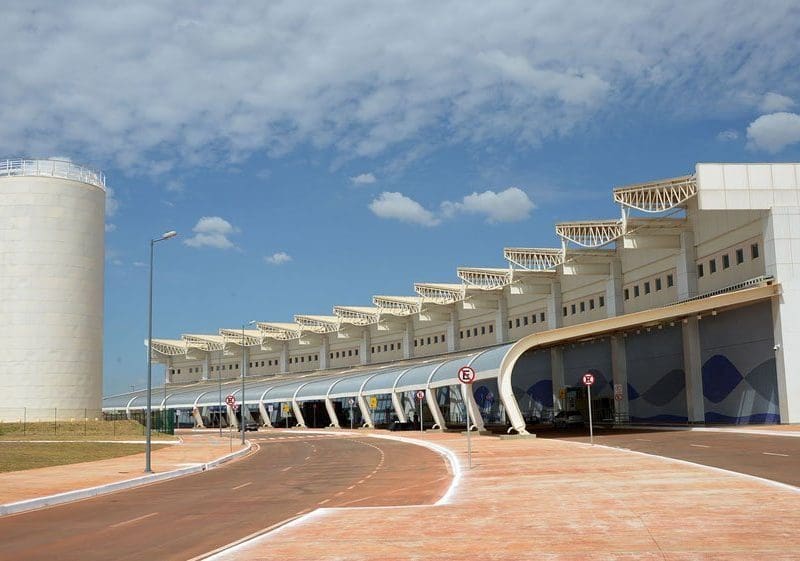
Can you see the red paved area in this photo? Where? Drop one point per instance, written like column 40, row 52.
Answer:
column 555, row 500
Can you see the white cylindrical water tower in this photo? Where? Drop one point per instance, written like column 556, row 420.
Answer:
column 52, row 216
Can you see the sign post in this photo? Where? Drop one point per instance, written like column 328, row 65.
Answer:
column 420, row 397
column 588, row 380
column 466, row 375
column 351, row 401
column 230, row 400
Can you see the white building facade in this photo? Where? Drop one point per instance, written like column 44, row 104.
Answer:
column 686, row 309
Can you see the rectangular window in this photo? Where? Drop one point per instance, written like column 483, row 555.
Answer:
column 591, row 303
column 349, row 352
column 398, row 346
column 475, row 332
column 337, row 354
column 572, row 309
column 739, row 256
column 712, row 266
column 483, row 329
column 237, row 367
column 391, row 347
column 372, row 348
column 583, row 306
column 429, row 340
column 386, row 347
column 262, row 363
column 302, row 359
column 658, row 284
column 533, row 318
column 754, row 251
column 627, row 295
column 442, row 338
column 331, row 355
column 565, row 310
column 435, row 338
column 461, row 334
column 491, row 328
column 469, row 333
column 541, row 316
column 510, row 324
column 636, row 291
column 647, row 287
column 316, row 357
column 517, row 321
column 356, row 352
column 699, row 270
column 670, row 280
column 525, row 320
column 726, row 261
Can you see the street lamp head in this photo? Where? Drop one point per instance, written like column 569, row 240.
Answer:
column 251, row 322
column 168, row 235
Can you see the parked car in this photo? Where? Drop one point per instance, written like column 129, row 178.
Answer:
column 566, row 419
column 251, row 425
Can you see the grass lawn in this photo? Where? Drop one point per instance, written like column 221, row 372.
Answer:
column 17, row 456
column 78, row 430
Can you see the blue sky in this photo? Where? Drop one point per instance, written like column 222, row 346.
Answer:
column 315, row 154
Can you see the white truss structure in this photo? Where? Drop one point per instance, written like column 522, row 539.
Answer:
column 279, row 331
column 318, row 324
column 246, row 338
column 534, row 258
column 591, row 234
column 170, row 347
column 484, row 278
column 204, row 342
column 357, row 315
column 398, row 305
column 657, row 196
column 440, row 293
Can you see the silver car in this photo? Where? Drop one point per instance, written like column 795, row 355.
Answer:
column 566, row 419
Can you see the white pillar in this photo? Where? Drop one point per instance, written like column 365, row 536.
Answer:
column 324, row 350
column 408, row 339
column 298, row 413
column 782, row 261
column 366, row 414
column 436, row 413
column 167, row 366
column 398, row 407
column 284, row 364
column 614, row 301
column 686, row 267
column 265, row 420
column 557, row 376
column 475, row 417
column 232, row 421
column 198, row 418
column 693, row 370
column 619, row 373
column 555, row 317
column 206, row 366
column 501, row 318
column 365, row 353
column 332, row 413
column 452, row 331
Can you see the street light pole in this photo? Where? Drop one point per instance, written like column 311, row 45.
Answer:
column 149, row 415
column 245, row 358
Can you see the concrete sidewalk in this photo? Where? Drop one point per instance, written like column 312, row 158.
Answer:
column 555, row 500
column 35, row 483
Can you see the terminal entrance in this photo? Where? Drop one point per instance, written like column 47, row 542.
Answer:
column 575, row 398
column 315, row 414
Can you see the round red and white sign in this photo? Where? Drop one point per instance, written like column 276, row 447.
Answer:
column 420, row 395
column 230, row 400
column 588, row 379
column 466, row 375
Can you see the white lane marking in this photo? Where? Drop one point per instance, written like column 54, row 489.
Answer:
column 132, row 520
column 775, row 454
column 323, row 502
column 242, row 485
column 700, row 446
column 351, row 487
column 643, row 439
column 308, row 458
column 287, row 468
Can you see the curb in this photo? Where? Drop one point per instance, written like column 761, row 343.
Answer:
column 79, row 494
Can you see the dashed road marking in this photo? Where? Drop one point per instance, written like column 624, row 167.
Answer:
column 351, row 487
column 132, row 520
column 700, row 446
column 775, row 454
column 242, row 485
column 287, row 468
column 643, row 439
column 323, row 502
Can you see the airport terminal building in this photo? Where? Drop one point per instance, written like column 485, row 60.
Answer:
column 686, row 308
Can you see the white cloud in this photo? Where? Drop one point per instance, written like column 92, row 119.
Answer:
column 399, row 207
column 174, row 186
column 110, row 227
column 149, row 97
column 774, row 132
column 773, row 102
column 139, row 264
column 510, row 205
column 727, row 136
column 212, row 231
column 112, row 204
column 363, row 179
column 278, row 258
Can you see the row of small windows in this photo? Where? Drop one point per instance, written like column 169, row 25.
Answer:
column 580, row 307
column 432, row 340
column 386, row 347
column 296, row 359
column 473, row 332
column 647, row 286
column 726, row 260
column 343, row 354
column 268, row 363
column 523, row 320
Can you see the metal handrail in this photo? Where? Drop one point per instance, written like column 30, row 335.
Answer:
column 52, row 168
column 756, row 281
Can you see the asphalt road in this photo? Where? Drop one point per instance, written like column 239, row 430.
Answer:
column 185, row 517
column 771, row 457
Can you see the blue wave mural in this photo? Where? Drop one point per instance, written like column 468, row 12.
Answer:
column 663, row 402
column 740, row 399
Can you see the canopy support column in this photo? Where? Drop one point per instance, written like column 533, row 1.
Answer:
column 452, row 331
column 619, row 372
column 557, row 376
column 265, row 420
column 501, row 318
column 324, row 350
column 475, row 417
column 284, row 360
column 365, row 412
column 332, row 413
column 693, row 370
column 198, row 418
column 366, row 347
column 436, row 412
column 686, row 267
column 206, row 366
column 408, row 339
column 398, row 407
